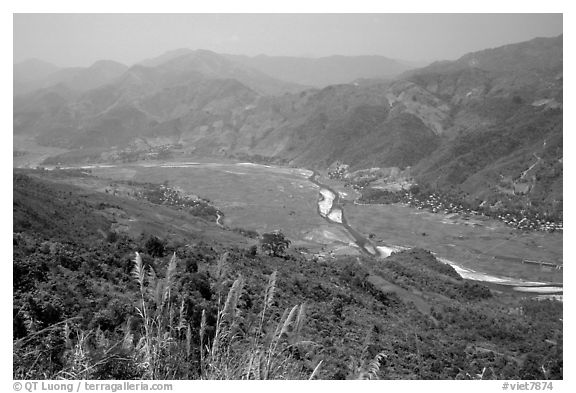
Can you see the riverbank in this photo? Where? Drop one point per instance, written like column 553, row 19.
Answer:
column 328, row 203
column 264, row 198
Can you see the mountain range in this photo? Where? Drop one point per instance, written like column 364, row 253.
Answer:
column 35, row 74
column 324, row 71
column 487, row 125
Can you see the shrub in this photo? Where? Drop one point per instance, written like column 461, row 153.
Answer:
column 155, row 247
column 274, row 244
column 252, row 251
column 111, row 237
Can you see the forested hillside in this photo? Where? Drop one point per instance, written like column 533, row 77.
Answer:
column 99, row 293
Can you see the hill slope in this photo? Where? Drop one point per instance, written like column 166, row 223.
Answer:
column 487, row 126
column 72, row 281
column 504, row 136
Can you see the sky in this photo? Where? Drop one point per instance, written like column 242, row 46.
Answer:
column 82, row 39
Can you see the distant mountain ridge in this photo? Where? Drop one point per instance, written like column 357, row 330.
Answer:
column 33, row 69
column 292, row 74
column 324, row 71
column 33, row 75
column 475, row 125
column 213, row 65
column 26, row 74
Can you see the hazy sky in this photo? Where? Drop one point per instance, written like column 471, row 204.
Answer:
column 81, row 39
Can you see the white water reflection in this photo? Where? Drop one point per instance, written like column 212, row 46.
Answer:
column 325, row 205
column 386, row 251
column 538, row 289
column 336, row 216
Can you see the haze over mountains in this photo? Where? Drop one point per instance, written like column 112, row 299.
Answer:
column 35, row 74
column 300, row 72
column 324, row 71
column 488, row 123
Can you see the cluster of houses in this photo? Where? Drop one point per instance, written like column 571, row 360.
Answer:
column 436, row 204
column 137, row 153
column 338, row 171
column 358, row 185
column 159, row 152
column 166, row 195
column 539, row 224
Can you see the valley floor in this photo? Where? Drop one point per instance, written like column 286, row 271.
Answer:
column 76, row 232
column 265, row 198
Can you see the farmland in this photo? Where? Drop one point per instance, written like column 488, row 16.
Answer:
column 267, row 198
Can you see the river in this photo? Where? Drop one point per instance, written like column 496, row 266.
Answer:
column 329, row 201
column 265, row 198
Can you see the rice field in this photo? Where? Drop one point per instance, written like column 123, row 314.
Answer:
column 267, row 198
column 256, row 197
column 481, row 245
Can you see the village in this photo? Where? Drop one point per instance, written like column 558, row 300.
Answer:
column 437, row 203
column 165, row 195
column 389, row 185
column 162, row 194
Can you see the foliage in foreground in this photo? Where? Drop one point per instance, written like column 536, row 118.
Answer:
column 162, row 342
column 76, row 302
column 176, row 325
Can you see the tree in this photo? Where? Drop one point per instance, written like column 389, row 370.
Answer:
column 274, row 244
column 155, row 247
column 252, row 252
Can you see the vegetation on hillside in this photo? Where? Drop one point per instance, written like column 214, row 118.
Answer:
column 472, row 126
column 94, row 306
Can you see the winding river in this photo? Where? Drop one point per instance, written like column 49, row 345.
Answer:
column 330, row 208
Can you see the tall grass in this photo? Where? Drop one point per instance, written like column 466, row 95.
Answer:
column 158, row 342
column 238, row 349
column 265, row 352
column 161, row 322
column 365, row 367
